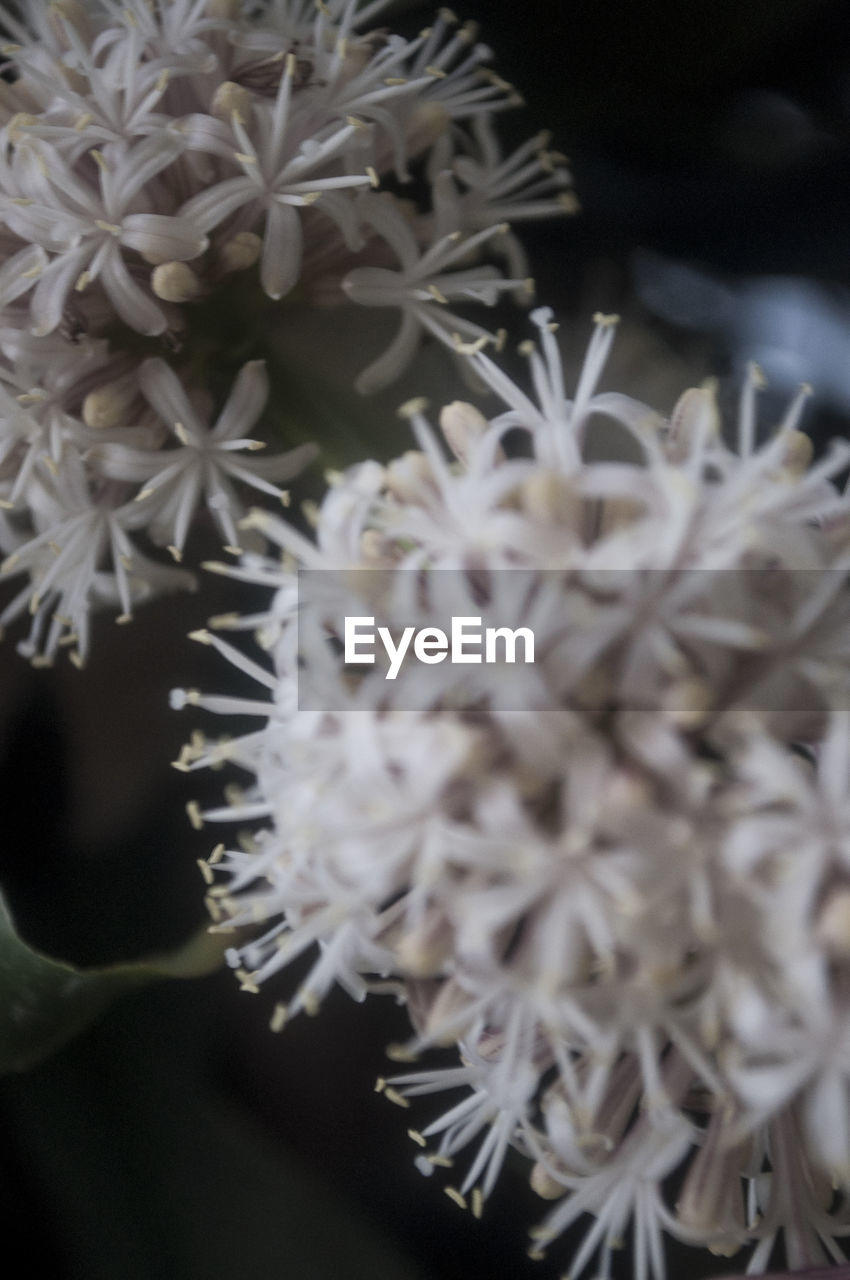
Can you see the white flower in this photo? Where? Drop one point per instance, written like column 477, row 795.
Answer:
column 80, row 530
column 159, row 162
column 421, row 288
column 462, row 86
column 207, row 459
column 284, row 166
column 531, row 183
column 43, row 384
column 89, row 227
column 502, row 1087
column 116, row 102
column 621, row 897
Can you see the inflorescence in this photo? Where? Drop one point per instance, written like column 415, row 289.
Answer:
column 162, row 164
column 627, row 901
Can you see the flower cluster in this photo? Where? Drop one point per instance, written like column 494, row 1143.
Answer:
column 626, row 901
column 169, row 168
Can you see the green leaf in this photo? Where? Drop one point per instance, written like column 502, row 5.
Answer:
column 45, row 1002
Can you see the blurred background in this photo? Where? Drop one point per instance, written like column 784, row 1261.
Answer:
column 710, row 149
column 177, row 1139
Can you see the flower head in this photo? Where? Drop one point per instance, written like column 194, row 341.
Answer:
column 171, row 172
column 623, row 897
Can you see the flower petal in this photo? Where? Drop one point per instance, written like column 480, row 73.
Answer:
column 245, row 402
column 169, row 239
column 51, row 292
column 137, row 308
column 19, row 273
column 394, row 360
column 207, row 209
column 163, row 390
column 281, row 261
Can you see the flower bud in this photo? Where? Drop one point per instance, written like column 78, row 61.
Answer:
column 408, row 476
column 230, row 97
column 240, row 251
column 694, row 419
column 798, row 453
column 545, row 1184
column 423, row 950
column 833, row 927
column 175, row 282
column 107, row 405
column 688, row 702
column 462, row 424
